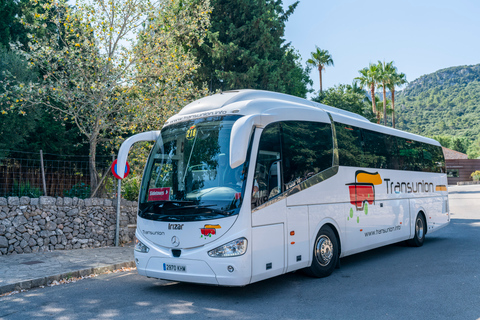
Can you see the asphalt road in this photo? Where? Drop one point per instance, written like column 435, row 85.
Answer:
column 440, row 280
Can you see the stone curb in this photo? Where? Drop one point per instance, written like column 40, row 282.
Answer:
column 44, row 281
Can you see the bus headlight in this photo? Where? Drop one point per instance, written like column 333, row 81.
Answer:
column 140, row 247
column 233, row 248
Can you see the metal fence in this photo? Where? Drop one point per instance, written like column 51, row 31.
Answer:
column 63, row 176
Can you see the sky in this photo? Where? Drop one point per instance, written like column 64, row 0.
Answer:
column 420, row 36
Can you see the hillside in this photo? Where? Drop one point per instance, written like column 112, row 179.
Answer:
column 446, row 102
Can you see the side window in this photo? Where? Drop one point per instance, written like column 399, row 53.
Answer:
column 267, row 179
column 380, row 150
column 438, row 159
column 288, row 153
column 411, row 154
column 350, row 145
column 433, row 159
column 307, row 150
column 376, row 153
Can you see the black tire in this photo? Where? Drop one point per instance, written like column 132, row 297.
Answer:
column 420, row 231
column 325, row 254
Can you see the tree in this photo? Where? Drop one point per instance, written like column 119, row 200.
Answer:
column 381, row 111
column 101, row 61
column 346, row 97
column 12, row 30
column 368, row 78
column 384, row 76
column 320, row 59
column 8, row 10
column 245, row 49
column 395, row 79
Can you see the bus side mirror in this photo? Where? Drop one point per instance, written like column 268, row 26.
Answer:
column 125, row 147
column 240, row 136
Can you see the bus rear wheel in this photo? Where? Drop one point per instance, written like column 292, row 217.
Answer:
column 420, row 231
column 325, row 254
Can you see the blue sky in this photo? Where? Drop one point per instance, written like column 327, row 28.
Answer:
column 420, row 36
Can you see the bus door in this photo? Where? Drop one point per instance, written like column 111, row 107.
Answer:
column 268, row 217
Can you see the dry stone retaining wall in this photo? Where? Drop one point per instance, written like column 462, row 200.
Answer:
column 47, row 223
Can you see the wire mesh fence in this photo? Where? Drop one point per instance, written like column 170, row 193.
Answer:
column 63, row 176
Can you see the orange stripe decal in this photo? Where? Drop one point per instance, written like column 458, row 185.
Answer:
column 441, row 187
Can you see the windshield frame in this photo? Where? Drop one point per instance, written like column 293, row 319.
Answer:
column 190, row 208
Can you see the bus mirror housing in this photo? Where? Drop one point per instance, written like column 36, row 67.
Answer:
column 240, row 136
column 127, row 144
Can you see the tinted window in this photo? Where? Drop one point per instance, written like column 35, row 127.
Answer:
column 290, row 152
column 365, row 148
column 350, row 149
column 438, row 160
column 307, row 150
column 410, row 152
column 380, row 150
column 267, row 183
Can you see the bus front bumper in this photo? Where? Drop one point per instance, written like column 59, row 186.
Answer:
column 222, row 271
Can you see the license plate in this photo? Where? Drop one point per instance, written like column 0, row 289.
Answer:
column 174, row 267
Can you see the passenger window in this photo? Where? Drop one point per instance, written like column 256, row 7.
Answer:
column 410, row 152
column 380, row 150
column 289, row 153
column 375, row 149
column 307, row 150
column 267, row 179
column 350, row 145
column 438, row 159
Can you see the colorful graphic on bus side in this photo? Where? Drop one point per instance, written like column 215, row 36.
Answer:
column 362, row 191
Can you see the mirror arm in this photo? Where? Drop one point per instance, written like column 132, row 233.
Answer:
column 127, row 144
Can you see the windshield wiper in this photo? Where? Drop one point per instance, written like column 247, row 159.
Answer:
column 194, row 206
column 205, row 206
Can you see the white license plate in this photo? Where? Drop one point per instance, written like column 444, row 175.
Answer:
column 174, row 267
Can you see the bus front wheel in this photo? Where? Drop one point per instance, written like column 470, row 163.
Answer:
column 325, row 254
column 420, row 231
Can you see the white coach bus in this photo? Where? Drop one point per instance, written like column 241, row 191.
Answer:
column 246, row 185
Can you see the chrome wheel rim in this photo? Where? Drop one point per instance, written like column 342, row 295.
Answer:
column 324, row 250
column 419, row 228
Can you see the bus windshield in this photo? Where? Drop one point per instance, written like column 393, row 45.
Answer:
column 188, row 176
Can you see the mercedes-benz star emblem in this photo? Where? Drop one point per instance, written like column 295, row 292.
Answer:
column 175, row 241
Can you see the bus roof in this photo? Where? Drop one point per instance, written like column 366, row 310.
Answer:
column 249, row 101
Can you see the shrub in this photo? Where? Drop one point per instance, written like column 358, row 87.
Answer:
column 131, row 188
column 475, row 175
column 24, row 189
column 80, row 190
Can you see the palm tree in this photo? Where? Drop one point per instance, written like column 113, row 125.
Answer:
column 385, row 74
column 368, row 78
column 397, row 79
column 381, row 109
column 320, row 59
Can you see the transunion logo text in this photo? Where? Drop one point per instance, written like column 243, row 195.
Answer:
column 408, row 187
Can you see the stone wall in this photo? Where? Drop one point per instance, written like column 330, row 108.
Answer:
column 46, row 223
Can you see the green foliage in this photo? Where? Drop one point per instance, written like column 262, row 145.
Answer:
column 80, row 190
column 12, row 29
column 459, row 144
column 348, row 98
column 245, row 49
column 8, row 10
column 447, row 103
column 110, row 69
column 40, row 128
column 475, row 175
column 473, row 150
column 131, row 187
column 24, row 189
